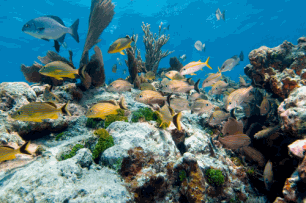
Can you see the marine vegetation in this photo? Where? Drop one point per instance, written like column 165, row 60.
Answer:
column 214, row 177
column 72, row 153
column 105, row 141
column 112, row 118
column 143, row 113
column 94, row 123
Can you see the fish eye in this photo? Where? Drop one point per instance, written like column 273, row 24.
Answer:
column 166, row 85
column 53, row 98
column 140, row 96
column 27, row 25
column 230, row 103
column 19, row 112
column 206, row 104
column 213, row 118
column 216, row 88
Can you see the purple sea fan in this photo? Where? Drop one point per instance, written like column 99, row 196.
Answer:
column 235, row 141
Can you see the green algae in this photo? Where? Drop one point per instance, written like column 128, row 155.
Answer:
column 214, row 177
column 112, row 118
column 73, row 152
column 105, row 141
column 94, row 123
column 143, row 113
column 182, row 175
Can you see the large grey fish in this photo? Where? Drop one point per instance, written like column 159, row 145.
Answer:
column 51, row 27
column 220, row 15
column 230, row 63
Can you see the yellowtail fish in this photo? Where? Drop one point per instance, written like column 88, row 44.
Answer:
column 120, row 44
column 120, row 86
column 202, row 106
column 147, row 86
column 60, row 70
column 193, row 67
column 237, row 97
column 212, row 79
column 105, row 108
column 178, row 104
column 178, row 86
column 167, row 116
column 8, row 153
column 219, row 87
column 217, row 117
column 174, row 75
column 114, row 68
column 49, row 96
column 36, row 111
column 151, row 97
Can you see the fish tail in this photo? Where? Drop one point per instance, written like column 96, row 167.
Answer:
column 122, row 103
column 206, row 62
column 196, row 86
column 64, row 109
column 133, row 39
column 168, row 98
column 74, row 30
column 177, row 120
column 24, row 148
column 81, row 71
column 220, row 72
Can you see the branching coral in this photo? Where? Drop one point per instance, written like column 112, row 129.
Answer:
column 153, row 44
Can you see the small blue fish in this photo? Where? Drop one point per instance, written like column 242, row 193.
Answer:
column 51, row 27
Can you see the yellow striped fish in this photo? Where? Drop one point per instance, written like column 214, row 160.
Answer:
column 8, row 153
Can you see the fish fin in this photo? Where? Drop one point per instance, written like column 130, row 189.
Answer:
column 193, row 74
column 74, row 30
column 51, row 104
column 64, row 109
column 24, row 148
column 206, row 62
column 168, row 98
column 45, row 39
column 177, row 121
column 199, row 60
column 196, row 86
column 122, row 53
column 55, row 116
column 122, row 103
column 56, row 45
column 72, row 76
column 81, row 72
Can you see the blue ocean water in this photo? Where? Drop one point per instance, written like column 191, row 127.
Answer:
column 248, row 25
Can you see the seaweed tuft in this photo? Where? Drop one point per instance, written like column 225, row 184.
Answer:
column 105, row 141
column 214, row 177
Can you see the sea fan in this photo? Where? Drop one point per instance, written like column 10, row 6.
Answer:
column 101, row 14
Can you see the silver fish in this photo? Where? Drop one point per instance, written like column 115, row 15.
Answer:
column 51, row 27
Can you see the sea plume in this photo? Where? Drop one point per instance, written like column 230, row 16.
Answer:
column 101, row 14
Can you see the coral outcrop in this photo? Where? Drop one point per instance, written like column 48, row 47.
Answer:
column 279, row 70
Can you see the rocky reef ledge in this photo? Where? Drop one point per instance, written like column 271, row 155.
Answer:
column 128, row 162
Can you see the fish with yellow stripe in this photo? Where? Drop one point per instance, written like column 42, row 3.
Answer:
column 167, row 115
column 60, row 70
column 105, row 108
column 212, row 79
column 36, row 111
column 120, row 44
column 8, row 153
column 193, row 67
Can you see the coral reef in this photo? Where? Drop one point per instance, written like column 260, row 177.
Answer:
column 153, row 45
column 279, row 69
